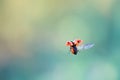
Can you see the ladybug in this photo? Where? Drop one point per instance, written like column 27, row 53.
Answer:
column 77, row 45
column 73, row 45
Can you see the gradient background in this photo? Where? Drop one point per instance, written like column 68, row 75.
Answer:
column 33, row 35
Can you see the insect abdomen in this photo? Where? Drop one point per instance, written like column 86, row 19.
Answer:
column 74, row 50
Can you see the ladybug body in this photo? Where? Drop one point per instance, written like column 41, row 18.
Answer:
column 73, row 48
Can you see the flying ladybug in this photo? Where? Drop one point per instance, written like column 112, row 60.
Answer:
column 77, row 45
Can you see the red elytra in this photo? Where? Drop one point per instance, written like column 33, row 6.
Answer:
column 78, row 42
column 69, row 43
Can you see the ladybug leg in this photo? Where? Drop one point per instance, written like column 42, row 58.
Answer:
column 69, row 52
column 78, row 51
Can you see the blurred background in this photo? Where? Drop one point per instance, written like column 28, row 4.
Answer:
column 33, row 34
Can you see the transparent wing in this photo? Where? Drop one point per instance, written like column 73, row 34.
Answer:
column 85, row 46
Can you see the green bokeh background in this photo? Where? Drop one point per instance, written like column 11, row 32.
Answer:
column 33, row 35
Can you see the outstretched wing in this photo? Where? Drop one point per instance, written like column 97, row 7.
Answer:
column 78, row 42
column 85, row 46
column 68, row 43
